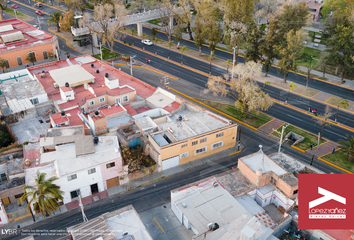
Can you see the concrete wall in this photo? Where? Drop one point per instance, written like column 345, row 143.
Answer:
column 10, row 193
column 16, row 153
column 286, row 188
column 174, row 149
column 284, row 224
column 43, row 107
column 3, row 216
column 156, row 112
column 116, row 171
column 24, row 116
column 109, row 100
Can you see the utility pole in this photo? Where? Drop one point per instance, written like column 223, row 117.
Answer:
column 233, row 62
column 319, row 136
column 101, row 50
column 281, row 136
column 131, row 65
column 15, row 13
column 82, row 210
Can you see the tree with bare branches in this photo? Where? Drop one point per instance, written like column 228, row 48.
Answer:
column 167, row 11
column 103, row 26
column 184, row 15
column 249, row 95
column 323, row 119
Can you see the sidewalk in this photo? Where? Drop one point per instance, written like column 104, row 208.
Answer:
column 348, row 83
column 121, row 189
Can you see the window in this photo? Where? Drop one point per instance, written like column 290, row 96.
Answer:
column 217, row 145
column 34, row 101
column 72, row 177
column 75, row 194
column 45, row 55
column 19, row 61
column 92, row 102
column 194, row 143
column 203, row 140
column 219, row 134
column 118, row 100
column 184, row 145
column 296, row 191
column 183, row 155
column 125, row 98
column 32, row 57
column 273, row 181
column 102, row 99
column 200, row 150
column 112, row 164
column 93, row 170
column 18, row 195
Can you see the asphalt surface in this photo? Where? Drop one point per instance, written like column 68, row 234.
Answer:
column 296, row 78
column 299, row 119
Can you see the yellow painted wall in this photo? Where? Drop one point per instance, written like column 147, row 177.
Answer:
column 229, row 141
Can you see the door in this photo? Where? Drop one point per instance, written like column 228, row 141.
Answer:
column 170, row 162
column 6, row 201
column 94, row 188
column 112, row 182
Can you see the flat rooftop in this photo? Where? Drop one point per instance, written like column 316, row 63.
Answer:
column 205, row 203
column 32, row 36
column 193, row 124
column 73, row 74
column 260, row 161
column 29, row 130
column 68, row 162
column 65, row 131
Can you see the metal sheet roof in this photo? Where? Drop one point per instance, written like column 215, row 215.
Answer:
column 74, row 75
column 12, row 37
column 6, row 28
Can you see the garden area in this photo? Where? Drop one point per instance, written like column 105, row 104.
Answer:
column 106, row 54
column 136, row 160
column 306, row 56
column 256, row 120
column 19, row 14
column 340, row 159
column 306, row 143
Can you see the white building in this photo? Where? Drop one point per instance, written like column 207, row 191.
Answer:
column 82, row 167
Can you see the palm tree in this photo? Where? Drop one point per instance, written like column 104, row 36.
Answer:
column 54, row 19
column 44, row 196
column 347, row 146
column 264, row 84
column 291, row 88
column 183, row 49
column 3, row 64
column 169, row 44
column 323, row 119
column 228, row 63
column 344, row 104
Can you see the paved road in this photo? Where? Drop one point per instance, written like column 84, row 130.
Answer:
column 281, row 112
column 297, row 78
column 159, row 193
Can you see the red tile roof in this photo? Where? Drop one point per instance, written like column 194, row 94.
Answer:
column 112, row 110
column 32, row 35
column 339, row 234
column 130, row 110
column 59, row 119
column 142, row 109
column 173, row 107
column 66, row 89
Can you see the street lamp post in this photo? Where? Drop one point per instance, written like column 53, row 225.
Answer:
column 281, row 136
column 233, row 62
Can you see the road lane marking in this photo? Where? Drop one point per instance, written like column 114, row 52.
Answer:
column 294, row 117
column 159, row 225
column 335, row 133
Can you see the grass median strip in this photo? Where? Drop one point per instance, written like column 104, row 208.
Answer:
column 19, row 14
column 306, row 143
column 106, row 54
column 256, row 120
column 340, row 159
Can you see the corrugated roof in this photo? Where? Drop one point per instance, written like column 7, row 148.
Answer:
column 12, row 37
column 74, row 75
column 6, row 28
column 92, row 230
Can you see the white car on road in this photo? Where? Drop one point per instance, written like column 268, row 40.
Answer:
column 146, row 42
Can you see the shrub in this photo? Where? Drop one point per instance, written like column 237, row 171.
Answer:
column 143, row 170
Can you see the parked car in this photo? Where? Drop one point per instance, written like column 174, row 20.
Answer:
column 38, row 4
column 146, row 42
column 39, row 12
column 14, row 6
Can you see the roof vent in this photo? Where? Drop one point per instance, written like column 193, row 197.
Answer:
column 215, row 184
column 97, row 71
column 92, row 65
column 97, row 113
column 95, row 140
column 66, row 84
column 184, row 205
column 62, row 113
column 106, row 75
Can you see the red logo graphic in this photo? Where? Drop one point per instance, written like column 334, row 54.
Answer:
column 326, row 201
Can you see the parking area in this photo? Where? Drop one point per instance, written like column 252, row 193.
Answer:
column 162, row 224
